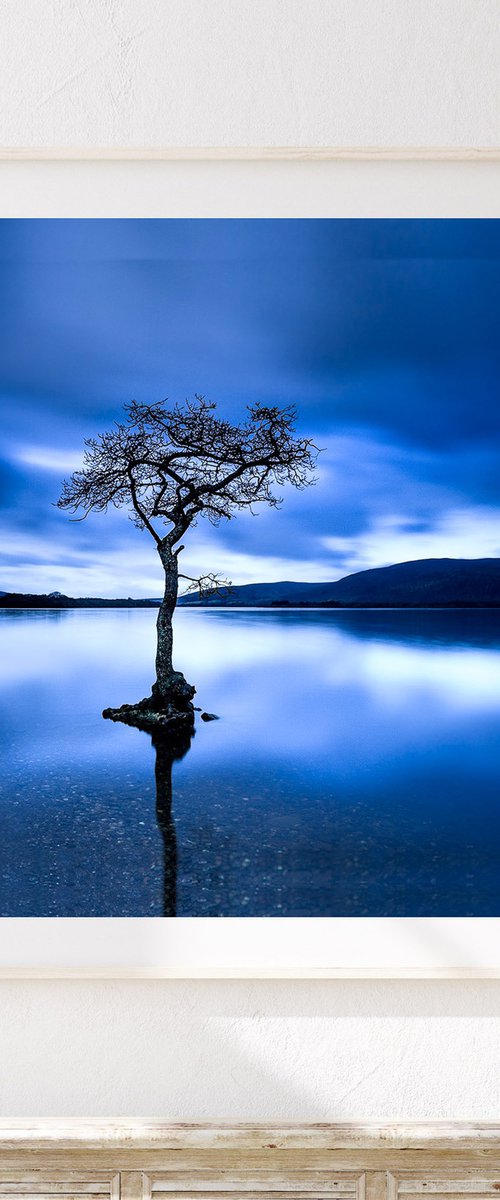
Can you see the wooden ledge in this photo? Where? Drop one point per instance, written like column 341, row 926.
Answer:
column 155, row 1135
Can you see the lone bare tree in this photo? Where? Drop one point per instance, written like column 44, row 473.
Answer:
column 171, row 466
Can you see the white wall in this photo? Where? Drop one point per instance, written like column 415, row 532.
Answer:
column 215, row 72
column 244, row 1051
column 256, row 72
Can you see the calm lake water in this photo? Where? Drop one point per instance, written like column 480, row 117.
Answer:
column 354, row 770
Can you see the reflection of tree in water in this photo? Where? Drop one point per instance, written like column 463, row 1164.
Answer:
column 168, row 750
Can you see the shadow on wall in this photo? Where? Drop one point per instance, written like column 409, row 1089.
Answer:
column 250, row 1050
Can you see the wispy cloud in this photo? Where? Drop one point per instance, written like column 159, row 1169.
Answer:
column 460, row 533
column 49, row 458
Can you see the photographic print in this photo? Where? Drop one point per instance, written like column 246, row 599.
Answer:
column 250, row 568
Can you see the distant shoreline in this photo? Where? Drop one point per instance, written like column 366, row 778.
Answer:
column 455, row 606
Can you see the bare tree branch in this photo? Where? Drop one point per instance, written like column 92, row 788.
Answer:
column 172, row 465
column 207, row 585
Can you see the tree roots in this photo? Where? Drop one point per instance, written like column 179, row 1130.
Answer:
column 169, row 711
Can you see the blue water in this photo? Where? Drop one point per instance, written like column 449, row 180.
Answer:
column 354, row 770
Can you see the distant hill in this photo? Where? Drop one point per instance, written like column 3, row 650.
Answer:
column 426, row 583
column 431, row 581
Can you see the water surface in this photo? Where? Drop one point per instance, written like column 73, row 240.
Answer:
column 354, row 770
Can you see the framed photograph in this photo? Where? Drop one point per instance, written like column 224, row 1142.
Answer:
column 250, row 564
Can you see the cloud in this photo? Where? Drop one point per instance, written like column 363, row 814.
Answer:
column 50, row 459
column 251, row 568
column 460, row 533
column 41, row 566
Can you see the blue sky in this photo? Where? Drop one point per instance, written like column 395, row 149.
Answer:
column 383, row 333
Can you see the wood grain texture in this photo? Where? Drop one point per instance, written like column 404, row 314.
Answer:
column 251, row 154
column 88, row 1135
column 222, row 1157
column 154, row 1161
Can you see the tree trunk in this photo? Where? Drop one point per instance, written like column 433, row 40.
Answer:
column 165, row 640
column 171, row 690
column 169, row 708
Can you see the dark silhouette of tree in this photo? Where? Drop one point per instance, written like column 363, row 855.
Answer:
column 168, row 750
column 171, row 466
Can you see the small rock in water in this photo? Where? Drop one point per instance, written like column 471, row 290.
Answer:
column 196, row 708
column 209, row 717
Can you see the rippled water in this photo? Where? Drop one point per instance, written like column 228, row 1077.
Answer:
column 354, row 769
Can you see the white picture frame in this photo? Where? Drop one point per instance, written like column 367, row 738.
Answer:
column 286, row 182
